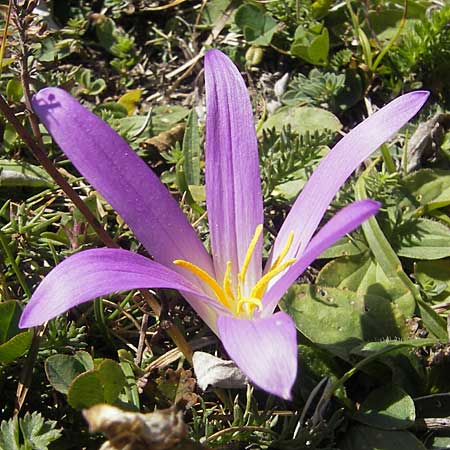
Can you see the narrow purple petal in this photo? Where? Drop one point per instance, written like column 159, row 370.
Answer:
column 126, row 182
column 94, row 273
column 264, row 349
column 233, row 188
column 342, row 223
column 338, row 165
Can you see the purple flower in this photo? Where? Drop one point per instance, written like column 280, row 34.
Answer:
column 229, row 289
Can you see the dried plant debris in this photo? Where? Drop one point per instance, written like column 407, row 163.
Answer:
column 159, row 430
column 214, row 372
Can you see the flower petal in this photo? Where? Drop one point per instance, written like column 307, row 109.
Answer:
column 338, row 165
column 233, row 187
column 343, row 222
column 264, row 349
column 94, row 273
column 127, row 183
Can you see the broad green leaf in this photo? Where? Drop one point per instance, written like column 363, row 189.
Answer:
column 388, row 408
column 213, row 11
column 423, row 239
column 392, row 268
column 112, row 379
column 320, row 8
column 362, row 437
column 130, row 99
column 339, row 320
column 361, row 274
column 344, row 247
column 191, row 150
column 434, row 278
column 258, row 26
column 111, row 109
column 164, row 117
column 303, row 119
column 106, row 30
column 14, row 90
column 438, row 443
column 61, row 370
column 385, row 256
column 22, row 174
column 86, row 390
column 100, row 385
column 428, row 188
column 311, row 44
column 9, row 319
column 15, row 347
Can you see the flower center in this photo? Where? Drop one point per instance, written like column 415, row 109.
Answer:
column 238, row 304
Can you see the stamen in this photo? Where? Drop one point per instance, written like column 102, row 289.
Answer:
column 251, row 302
column 284, row 251
column 207, row 278
column 227, row 286
column 249, row 254
column 260, row 287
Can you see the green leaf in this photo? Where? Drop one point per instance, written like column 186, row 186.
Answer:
column 381, row 347
column 130, row 99
column 61, row 370
column 164, row 117
column 385, row 256
column 258, row 27
column 213, row 11
column 423, row 239
column 361, row 437
column 106, row 33
column 32, row 430
column 311, row 44
column 15, row 347
column 85, row 390
column 428, row 188
column 9, row 434
column 101, row 385
column 10, row 312
column 339, row 320
column 37, row 433
column 388, row 408
column 14, row 90
column 303, row 119
column 438, row 443
column 361, row 274
column 191, row 150
column 112, row 379
column 434, row 278
column 22, row 174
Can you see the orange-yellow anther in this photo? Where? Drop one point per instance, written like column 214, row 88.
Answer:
column 285, row 250
column 260, row 287
column 234, row 299
column 207, row 278
column 249, row 254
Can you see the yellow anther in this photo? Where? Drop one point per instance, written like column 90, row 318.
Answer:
column 260, row 287
column 232, row 297
column 250, row 302
column 227, row 285
column 249, row 254
column 284, row 251
column 207, row 278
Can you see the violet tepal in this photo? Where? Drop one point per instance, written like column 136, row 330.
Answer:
column 229, row 289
